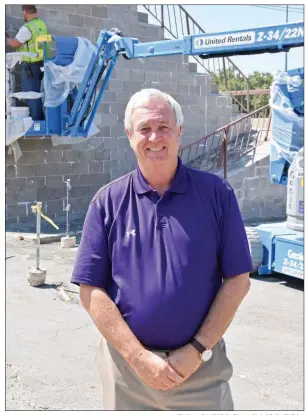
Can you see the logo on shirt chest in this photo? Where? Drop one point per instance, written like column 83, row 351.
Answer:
column 130, row 233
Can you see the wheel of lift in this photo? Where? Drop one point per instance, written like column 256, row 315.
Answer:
column 255, row 246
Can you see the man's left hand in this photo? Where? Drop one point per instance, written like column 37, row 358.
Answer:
column 185, row 360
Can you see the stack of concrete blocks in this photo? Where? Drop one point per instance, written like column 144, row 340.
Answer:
column 40, row 172
column 258, row 199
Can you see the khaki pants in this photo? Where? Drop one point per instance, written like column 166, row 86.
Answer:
column 207, row 389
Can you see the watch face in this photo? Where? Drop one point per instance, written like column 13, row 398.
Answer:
column 207, row 354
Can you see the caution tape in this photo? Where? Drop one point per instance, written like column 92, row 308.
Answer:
column 38, row 210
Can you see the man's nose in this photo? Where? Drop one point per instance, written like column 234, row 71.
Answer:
column 153, row 136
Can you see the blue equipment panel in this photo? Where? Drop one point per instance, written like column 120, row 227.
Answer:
column 289, row 255
column 283, row 250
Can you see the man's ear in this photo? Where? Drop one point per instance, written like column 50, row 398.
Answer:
column 128, row 134
column 180, row 129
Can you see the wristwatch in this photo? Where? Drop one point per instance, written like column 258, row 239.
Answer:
column 206, row 353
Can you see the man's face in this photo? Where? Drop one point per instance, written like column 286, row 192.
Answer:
column 25, row 15
column 154, row 136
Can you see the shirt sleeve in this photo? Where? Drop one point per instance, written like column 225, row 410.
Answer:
column 93, row 265
column 23, row 35
column 234, row 255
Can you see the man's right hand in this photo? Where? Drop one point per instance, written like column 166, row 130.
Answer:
column 154, row 371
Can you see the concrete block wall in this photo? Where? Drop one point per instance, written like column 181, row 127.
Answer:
column 40, row 173
column 258, row 199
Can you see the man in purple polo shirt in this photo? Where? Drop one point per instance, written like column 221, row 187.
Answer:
column 163, row 265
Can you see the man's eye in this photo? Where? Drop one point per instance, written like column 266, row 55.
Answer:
column 144, row 130
column 163, row 128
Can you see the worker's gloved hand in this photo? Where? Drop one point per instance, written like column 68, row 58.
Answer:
column 154, row 370
column 185, row 360
column 116, row 31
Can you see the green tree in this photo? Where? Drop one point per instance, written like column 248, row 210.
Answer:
column 236, row 82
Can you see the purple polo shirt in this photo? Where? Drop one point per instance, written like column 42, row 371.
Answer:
column 162, row 259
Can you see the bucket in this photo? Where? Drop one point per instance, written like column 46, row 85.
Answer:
column 19, row 113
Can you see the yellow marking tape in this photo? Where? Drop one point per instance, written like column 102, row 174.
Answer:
column 39, row 39
column 38, row 210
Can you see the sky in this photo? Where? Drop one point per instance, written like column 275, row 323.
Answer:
column 219, row 18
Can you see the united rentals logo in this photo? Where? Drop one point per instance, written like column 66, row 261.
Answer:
column 227, row 39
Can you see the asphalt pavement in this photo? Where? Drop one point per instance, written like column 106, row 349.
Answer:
column 51, row 342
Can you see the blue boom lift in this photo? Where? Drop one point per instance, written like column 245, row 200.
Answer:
column 275, row 247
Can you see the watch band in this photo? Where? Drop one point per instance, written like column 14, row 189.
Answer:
column 198, row 346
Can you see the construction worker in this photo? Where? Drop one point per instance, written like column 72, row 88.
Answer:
column 31, row 74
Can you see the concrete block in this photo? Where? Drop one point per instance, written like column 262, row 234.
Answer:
column 99, row 11
column 80, row 204
column 17, row 210
column 51, row 182
column 31, row 157
column 151, row 76
column 110, row 119
column 96, row 167
column 109, row 96
column 16, row 185
column 194, row 90
column 15, row 10
column 84, row 9
column 110, row 143
column 118, row 130
column 79, row 168
column 263, row 162
column 60, row 28
column 192, row 67
column 133, row 86
column 104, row 108
column 137, row 75
column 69, row 8
column 262, row 171
column 50, row 156
column 10, row 172
column 68, row 242
column 143, row 17
column 109, row 165
column 165, row 77
column 58, row 17
column 93, row 23
column 205, row 90
column 76, row 20
column 52, row 207
column 101, row 155
column 9, row 159
column 200, row 80
column 36, row 277
column 45, row 194
column 116, row 85
column 91, row 179
column 251, row 183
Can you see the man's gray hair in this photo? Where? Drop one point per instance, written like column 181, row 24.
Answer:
column 142, row 96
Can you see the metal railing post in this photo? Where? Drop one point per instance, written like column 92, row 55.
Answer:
column 225, row 74
column 225, row 152
column 268, row 129
column 68, row 188
column 162, row 16
column 38, row 232
column 248, row 98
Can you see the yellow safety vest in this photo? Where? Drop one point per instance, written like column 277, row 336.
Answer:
column 37, row 28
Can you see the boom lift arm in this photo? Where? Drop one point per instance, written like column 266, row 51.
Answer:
column 110, row 45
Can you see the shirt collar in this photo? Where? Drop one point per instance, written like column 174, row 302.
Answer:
column 178, row 185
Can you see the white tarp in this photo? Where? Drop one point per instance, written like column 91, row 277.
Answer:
column 60, row 80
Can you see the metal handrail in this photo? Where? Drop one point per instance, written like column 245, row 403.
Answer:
column 182, row 21
column 228, row 143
